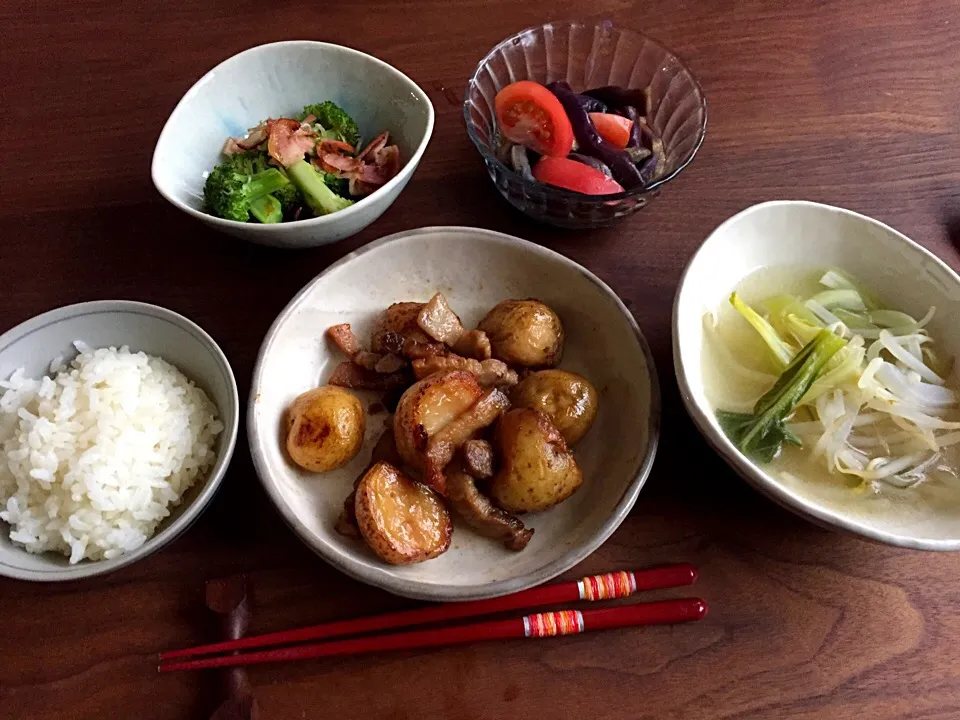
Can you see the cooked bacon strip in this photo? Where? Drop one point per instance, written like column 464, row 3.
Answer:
column 478, row 458
column 331, row 145
column 288, row 142
column 378, row 143
column 489, row 373
column 351, row 375
column 371, row 175
column 337, row 157
column 255, row 139
column 358, row 188
column 388, row 160
column 481, row 514
column 231, row 147
column 443, row 446
column 339, row 163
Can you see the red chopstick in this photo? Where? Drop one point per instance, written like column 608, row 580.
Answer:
column 563, row 622
column 596, row 587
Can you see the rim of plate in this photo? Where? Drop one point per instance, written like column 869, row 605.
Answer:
column 408, row 168
column 191, row 513
column 380, row 576
column 758, row 478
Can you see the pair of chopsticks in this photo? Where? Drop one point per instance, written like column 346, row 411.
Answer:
column 279, row 646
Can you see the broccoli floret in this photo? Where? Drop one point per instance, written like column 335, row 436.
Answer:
column 338, row 184
column 318, row 197
column 249, row 162
column 231, row 187
column 289, row 198
column 335, row 122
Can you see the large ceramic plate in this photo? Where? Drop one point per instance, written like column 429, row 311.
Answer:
column 475, row 269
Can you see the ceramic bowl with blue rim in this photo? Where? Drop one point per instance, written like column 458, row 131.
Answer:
column 278, row 80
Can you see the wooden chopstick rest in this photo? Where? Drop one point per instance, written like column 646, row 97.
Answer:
column 231, row 601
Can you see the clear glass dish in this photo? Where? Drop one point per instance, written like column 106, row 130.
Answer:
column 586, row 55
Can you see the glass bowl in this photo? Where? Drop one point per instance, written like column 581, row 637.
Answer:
column 586, row 55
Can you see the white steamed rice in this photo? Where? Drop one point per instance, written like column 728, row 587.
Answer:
column 93, row 458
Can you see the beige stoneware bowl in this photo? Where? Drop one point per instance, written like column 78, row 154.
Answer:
column 475, row 269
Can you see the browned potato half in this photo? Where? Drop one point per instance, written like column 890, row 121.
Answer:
column 398, row 332
column 386, row 451
column 401, row 520
column 427, row 407
column 568, row 399
column 537, row 470
column 325, row 428
column 524, row 332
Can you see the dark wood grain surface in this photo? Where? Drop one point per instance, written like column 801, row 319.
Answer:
column 853, row 103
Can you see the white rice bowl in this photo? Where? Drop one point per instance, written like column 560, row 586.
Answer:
column 95, row 457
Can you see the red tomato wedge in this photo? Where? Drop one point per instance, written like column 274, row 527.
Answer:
column 572, row 175
column 530, row 115
column 613, row 128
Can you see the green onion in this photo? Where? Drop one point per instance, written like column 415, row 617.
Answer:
column 763, row 433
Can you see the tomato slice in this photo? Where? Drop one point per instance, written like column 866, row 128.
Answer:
column 613, row 128
column 572, row 175
column 530, row 115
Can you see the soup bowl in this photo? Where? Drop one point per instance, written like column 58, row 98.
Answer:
column 811, row 236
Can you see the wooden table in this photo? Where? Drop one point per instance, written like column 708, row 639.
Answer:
column 847, row 103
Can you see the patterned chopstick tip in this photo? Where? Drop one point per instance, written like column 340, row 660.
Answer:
column 607, row 587
column 564, row 622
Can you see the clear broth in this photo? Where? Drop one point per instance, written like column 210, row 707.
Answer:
column 794, row 467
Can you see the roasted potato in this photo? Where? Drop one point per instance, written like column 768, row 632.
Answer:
column 537, row 470
column 397, row 332
column 568, row 399
column 525, row 333
column 427, row 407
column 401, row 520
column 384, row 451
column 325, row 428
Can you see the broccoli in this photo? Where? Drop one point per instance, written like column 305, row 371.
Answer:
column 237, row 181
column 267, row 209
column 289, row 198
column 249, row 162
column 338, row 184
column 318, row 197
column 336, row 123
